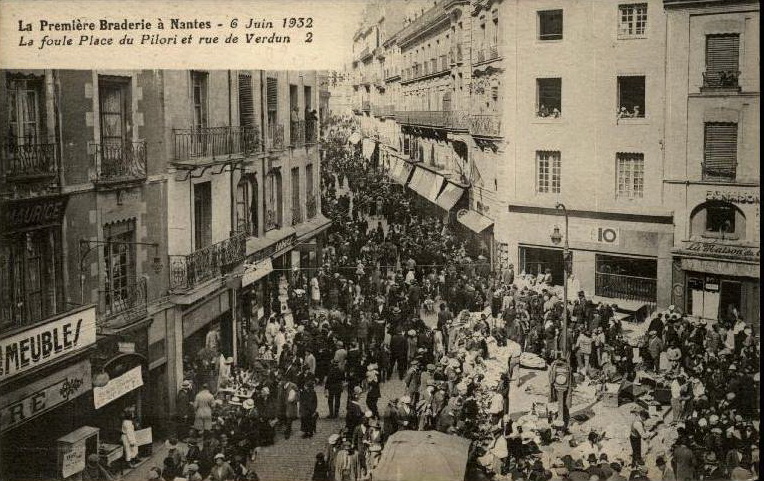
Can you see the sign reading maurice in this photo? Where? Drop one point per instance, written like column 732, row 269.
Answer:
column 43, row 343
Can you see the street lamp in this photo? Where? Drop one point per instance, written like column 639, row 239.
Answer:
column 563, row 382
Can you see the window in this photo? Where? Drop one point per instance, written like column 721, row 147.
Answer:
column 202, row 215
column 720, row 218
column 550, row 25
column 25, row 110
column 548, row 169
column 630, row 174
column 30, row 278
column 632, row 20
column 119, row 257
column 629, row 278
column 495, row 37
column 549, row 97
column 114, row 105
column 720, row 151
column 246, row 101
column 199, row 87
column 296, row 208
column 272, row 103
column 722, row 60
column 631, row 97
column 242, row 206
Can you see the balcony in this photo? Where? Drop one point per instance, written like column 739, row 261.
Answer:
column 297, row 133
column 485, row 125
column 455, row 55
column 120, row 162
column 215, row 143
column 629, row 288
column 124, row 305
column 311, row 131
column 443, row 119
column 189, row 271
column 24, row 160
column 721, row 80
column 311, row 206
column 276, row 137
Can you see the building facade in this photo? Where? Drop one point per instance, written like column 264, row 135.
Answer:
column 712, row 174
column 144, row 213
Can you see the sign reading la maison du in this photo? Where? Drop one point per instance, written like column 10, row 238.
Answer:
column 43, row 343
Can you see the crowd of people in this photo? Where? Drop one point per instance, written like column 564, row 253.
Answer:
column 384, row 266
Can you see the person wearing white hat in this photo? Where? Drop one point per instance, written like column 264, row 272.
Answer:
column 222, row 471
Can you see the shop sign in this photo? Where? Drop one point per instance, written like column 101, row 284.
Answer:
column 597, row 234
column 126, row 347
column 723, row 250
column 35, row 212
column 256, row 272
column 73, row 460
column 117, row 387
column 41, row 344
column 285, row 243
column 39, row 397
column 734, row 197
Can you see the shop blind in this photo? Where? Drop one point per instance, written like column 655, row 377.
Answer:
column 246, row 101
column 720, row 158
column 272, row 93
column 722, row 52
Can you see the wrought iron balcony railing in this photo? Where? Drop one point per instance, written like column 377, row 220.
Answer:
column 188, row 271
column 311, row 206
column 122, row 305
column 276, row 136
column 120, row 161
column 445, row 119
column 311, row 131
column 215, row 143
column 27, row 158
column 485, row 125
column 492, row 53
column 721, row 79
column 297, row 133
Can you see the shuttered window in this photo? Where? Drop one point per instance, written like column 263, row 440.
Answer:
column 272, row 92
column 246, row 101
column 720, row 153
column 722, row 52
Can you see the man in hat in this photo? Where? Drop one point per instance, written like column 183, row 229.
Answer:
column 637, row 434
column 308, row 407
column 221, row 471
column 334, row 380
column 654, row 347
column 373, row 394
column 412, row 381
column 355, row 411
column 184, row 406
column 398, row 354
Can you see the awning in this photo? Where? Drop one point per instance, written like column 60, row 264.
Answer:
column 426, row 183
column 354, row 138
column 450, row 196
column 473, row 221
column 400, row 170
column 416, row 455
column 312, row 228
column 257, row 271
column 367, row 148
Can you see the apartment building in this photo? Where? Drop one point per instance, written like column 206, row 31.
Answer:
column 142, row 210
column 712, row 171
column 584, row 111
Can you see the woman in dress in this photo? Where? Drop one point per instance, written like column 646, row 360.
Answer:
column 129, row 442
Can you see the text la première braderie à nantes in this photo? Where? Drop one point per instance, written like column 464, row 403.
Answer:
column 125, row 25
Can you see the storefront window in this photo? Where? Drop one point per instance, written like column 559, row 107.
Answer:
column 628, row 278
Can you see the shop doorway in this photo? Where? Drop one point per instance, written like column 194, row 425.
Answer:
column 536, row 260
column 730, row 296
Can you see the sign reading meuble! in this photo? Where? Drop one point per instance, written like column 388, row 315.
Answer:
column 43, row 343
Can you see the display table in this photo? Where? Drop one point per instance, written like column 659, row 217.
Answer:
column 109, row 453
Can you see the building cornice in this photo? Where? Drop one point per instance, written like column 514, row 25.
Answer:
column 679, row 4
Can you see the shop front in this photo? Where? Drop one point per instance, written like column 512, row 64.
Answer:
column 45, row 379
column 718, row 282
column 207, row 333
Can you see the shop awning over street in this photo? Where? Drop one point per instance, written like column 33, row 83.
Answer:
column 255, row 272
column 474, row 221
column 450, row 196
column 313, row 227
column 426, row 183
column 400, row 170
column 367, row 148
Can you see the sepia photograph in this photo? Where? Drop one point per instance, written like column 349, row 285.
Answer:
column 392, row 240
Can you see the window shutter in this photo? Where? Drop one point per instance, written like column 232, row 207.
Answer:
column 272, row 92
column 722, row 52
column 720, row 158
column 246, row 101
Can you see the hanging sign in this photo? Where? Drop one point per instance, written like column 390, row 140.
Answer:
column 117, row 387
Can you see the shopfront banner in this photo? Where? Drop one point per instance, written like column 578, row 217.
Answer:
column 30, row 401
column 117, row 387
column 73, row 460
column 44, row 343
